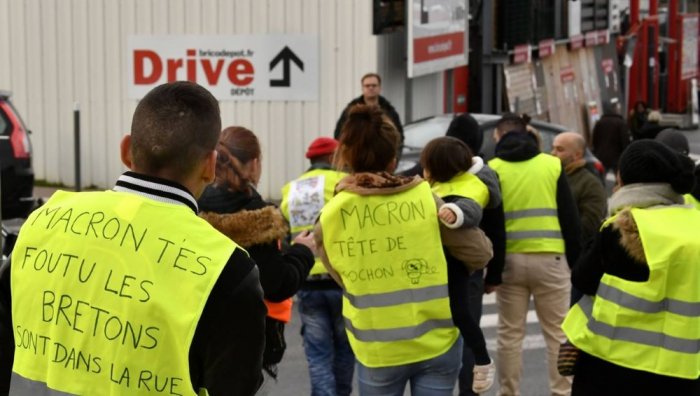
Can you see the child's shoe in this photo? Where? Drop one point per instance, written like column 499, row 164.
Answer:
column 483, row 377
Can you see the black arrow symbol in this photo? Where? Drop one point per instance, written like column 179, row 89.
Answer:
column 286, row 56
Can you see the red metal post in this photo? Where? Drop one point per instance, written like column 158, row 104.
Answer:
column 457, row 102
column 675, row 33
column 634, row 13
column 653, row 7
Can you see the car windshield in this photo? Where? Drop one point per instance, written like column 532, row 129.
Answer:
column 418, row 134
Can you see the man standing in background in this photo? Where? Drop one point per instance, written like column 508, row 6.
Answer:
column 542, row 237
column 371, row 90
column 587, row 190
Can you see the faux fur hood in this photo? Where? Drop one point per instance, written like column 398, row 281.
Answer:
column 250, row 227
column 629, row 235
column 381, row 183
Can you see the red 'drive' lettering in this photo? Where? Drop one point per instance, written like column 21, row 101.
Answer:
column 240, row 71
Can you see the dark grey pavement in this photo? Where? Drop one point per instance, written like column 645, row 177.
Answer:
column 294, row 378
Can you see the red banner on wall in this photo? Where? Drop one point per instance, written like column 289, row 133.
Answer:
column 436, row 47
column 523, row 54
column 546, row 48
column 567, row 74
column 607, row 65
column 591, row 38
column 576, row 42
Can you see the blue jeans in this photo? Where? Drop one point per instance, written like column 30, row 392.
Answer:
column 432, row 377
column 331, row 361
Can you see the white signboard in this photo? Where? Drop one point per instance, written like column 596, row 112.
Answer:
column 437, row 35
column 689, row 60
column 306, row 199
column 255, row 67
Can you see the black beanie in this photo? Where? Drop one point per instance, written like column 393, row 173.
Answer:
column 648, row 161
column 674, row 139
column 465, row 128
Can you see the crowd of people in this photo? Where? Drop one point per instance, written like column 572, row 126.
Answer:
column 181, row 278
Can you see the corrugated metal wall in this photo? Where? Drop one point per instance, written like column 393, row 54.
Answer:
column 55, row 53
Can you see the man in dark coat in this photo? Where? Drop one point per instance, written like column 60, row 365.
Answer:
column 610, row 137
column 586, row 189
column 371, row 89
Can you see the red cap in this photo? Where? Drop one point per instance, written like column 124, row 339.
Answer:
column 321, row 146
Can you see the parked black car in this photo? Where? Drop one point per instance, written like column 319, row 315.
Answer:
column 16, row 172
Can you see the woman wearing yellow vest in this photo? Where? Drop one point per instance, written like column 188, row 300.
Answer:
column 638, row 324
column 234, row 207
column 380, row 239
column 320, row 300
column 447, row 166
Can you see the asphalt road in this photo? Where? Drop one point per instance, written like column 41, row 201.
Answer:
column 294, row 378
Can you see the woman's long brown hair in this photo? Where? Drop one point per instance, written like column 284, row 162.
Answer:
column 237, row 146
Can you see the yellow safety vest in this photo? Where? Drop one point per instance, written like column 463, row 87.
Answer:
column 652, row 326
column 465, row 185
column 303, row 199
column 387, row 250
column 529, row 191
column 107, row 290
column 691, row 200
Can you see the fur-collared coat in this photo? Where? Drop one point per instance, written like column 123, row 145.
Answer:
column 259, row 227
column 617, row 250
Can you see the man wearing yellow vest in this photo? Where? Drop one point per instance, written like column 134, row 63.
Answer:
column 542, row 237
column 638, row 324
column 330, row 358
column 127, row 291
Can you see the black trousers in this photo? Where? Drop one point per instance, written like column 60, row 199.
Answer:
column 475, row 293
column 597, row 377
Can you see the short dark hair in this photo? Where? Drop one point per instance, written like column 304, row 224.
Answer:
column 368, row 75
column 445, row 157
column 174, row 126
column 368, row 140
column 511, row 122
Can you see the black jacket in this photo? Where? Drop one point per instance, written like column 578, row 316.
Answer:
column 383, row 103
column 226, row 355
column 258, row 227
column 517, row 147
column 610, row 138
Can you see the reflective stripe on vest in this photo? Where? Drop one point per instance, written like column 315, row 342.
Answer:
column 530, row 203
column 302, row 200
column 465, row 185
column 388, row 252
column 650, row 326
column 20, row 386
column 105, row 281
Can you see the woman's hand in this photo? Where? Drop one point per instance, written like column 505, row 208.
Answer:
column 306, row 238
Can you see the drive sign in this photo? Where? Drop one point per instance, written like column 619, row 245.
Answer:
column 250, row 67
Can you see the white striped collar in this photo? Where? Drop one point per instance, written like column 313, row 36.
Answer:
column 155, row 188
